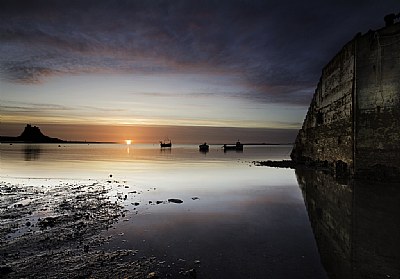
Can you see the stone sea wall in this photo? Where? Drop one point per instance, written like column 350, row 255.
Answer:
column 326, row 136
column 353, row 122
column 378, row 101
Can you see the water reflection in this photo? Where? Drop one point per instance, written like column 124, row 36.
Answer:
column 233, row 150
column 204, row 151
column 32, row 152
column 167, row 150
column 356, row 225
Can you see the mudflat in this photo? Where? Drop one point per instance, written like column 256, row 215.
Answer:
column 54, row 231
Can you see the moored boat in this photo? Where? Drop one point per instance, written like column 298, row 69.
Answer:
column 238, row 146
column 204, row 147
column 166, row 143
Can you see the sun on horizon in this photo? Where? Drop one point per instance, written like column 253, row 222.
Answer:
column 128, row 142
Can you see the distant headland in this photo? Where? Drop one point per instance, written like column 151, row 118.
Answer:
column 32, row 134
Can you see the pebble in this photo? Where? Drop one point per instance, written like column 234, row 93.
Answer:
column 152, row 275
column 175, row 200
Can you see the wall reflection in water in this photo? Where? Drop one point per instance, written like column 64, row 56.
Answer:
column 356, row 225
column 32, row 152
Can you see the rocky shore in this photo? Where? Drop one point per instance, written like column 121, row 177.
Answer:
column 54, row 231
column 276, row 164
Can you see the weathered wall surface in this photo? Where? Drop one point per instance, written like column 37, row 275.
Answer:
column 364, row 75
column 326, row 135
column 378, row 101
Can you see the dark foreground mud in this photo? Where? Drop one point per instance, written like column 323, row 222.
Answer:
column 54, row 231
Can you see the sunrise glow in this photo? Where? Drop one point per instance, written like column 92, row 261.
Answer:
column 128, row 142
column 230, row 74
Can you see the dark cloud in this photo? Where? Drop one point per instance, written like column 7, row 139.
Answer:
column 278, row 47
column 11, row 107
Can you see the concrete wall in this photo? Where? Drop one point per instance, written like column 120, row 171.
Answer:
column 326, row 136
column 364, row 75
column 378, row 101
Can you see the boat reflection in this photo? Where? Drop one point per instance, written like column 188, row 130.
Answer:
column 204, row 151
column 166, row 150
column 204, row 147
column 356, row 225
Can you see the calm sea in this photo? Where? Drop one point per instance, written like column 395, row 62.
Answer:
column 237, row 220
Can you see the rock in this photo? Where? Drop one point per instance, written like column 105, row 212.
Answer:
column 195, row 198
column 277, row 164
column 49, row 221
column 175, row 200
column 152, row 275
column 158, row 202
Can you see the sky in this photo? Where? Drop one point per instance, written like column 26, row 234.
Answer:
column 192, row 70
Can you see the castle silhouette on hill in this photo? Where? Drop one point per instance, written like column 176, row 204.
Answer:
column 31, row 134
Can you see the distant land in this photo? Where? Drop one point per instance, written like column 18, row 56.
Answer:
column 32, row 134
